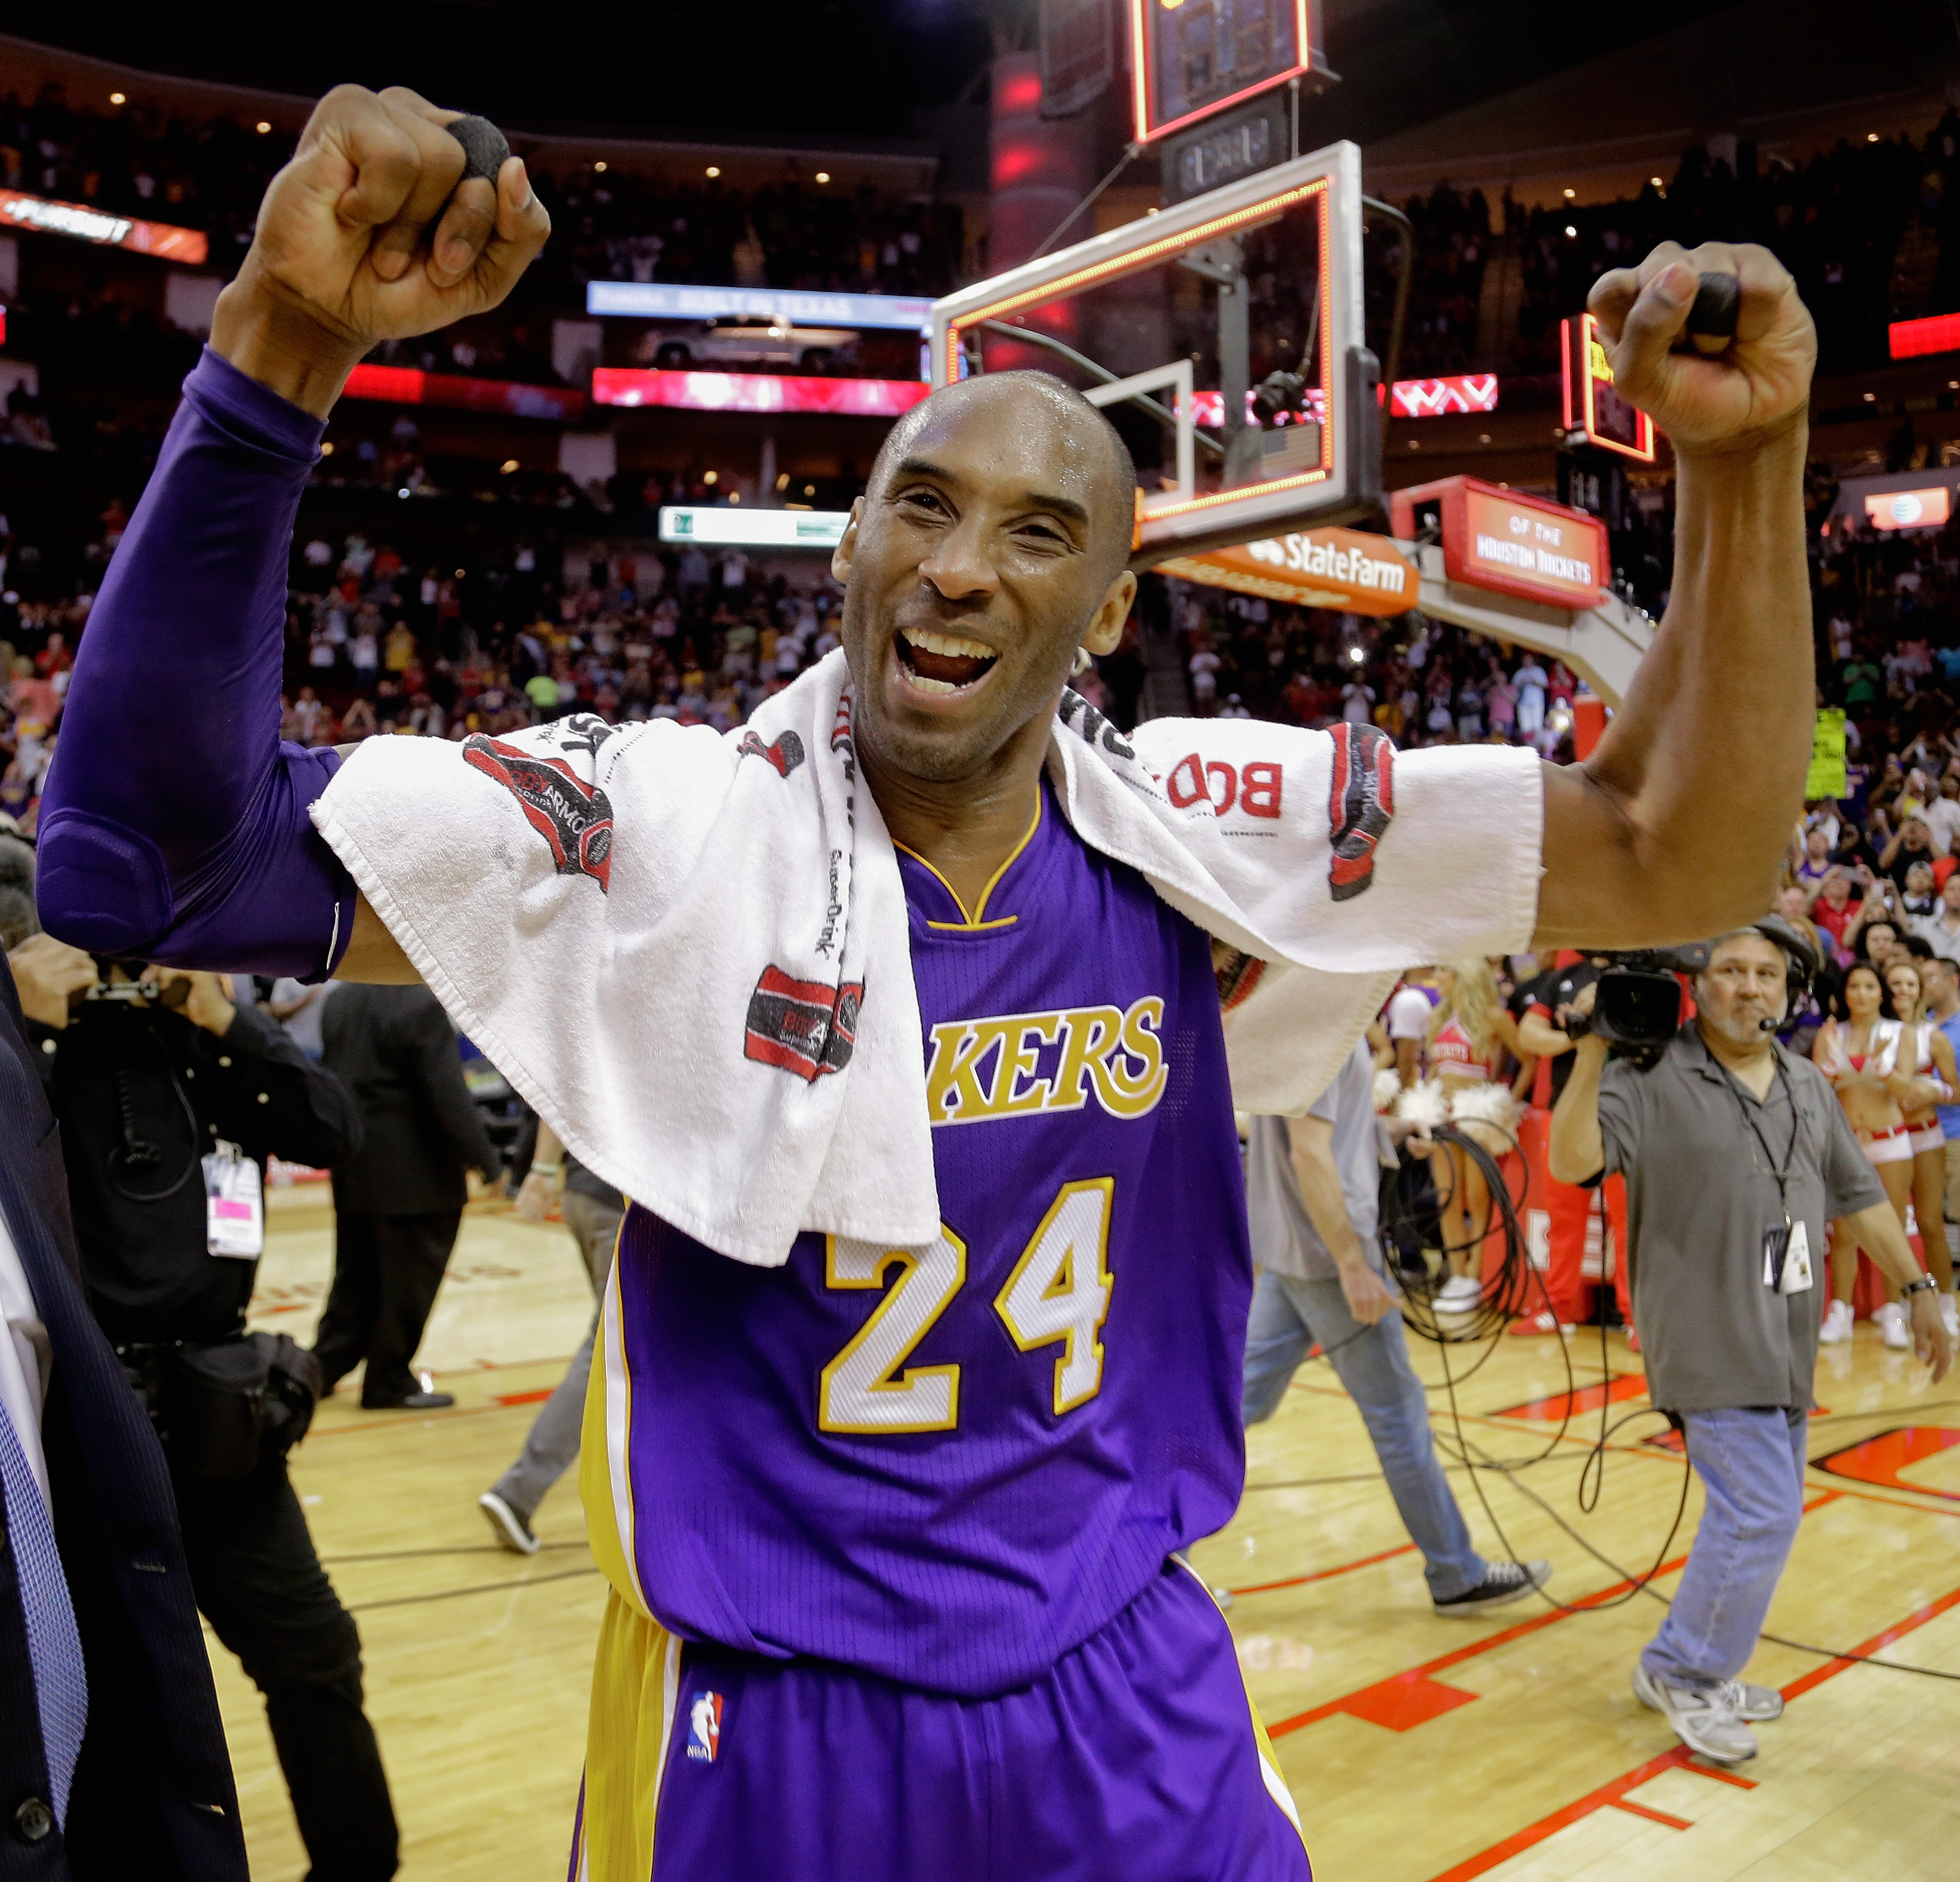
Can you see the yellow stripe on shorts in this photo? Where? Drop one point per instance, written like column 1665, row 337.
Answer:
column 635, row 1687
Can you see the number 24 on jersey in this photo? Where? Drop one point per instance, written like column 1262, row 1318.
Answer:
column 1058, row 1292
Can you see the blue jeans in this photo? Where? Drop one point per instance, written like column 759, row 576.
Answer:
column 1372, row 1363
column 1750, row 1462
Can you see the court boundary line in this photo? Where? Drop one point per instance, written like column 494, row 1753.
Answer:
column 1613, row 1792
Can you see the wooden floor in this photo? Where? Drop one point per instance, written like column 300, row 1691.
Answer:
column 1420, row 1749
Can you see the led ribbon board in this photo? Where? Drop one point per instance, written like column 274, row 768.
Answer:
column 1305, row 214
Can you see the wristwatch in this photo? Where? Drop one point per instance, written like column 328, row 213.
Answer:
column 1924, row 1284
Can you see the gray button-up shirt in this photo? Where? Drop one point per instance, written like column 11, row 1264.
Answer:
column 1701, row 1191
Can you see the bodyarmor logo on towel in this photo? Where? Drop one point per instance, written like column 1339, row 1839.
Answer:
column 704, row 1727
column 574, row 818
column 785, row 754
column 802, row 1025
column 1360, row 804
column 1258, row 788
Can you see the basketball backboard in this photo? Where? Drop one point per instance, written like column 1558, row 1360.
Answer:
column 1224, row 337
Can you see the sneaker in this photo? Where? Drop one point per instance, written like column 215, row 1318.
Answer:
column 1836, row 1327
column 1503, row 1582
column 1535, row 1324
column 1892, row 1327
column 1758, row 1704
column 1461, row 1291
column 1950, row 1314
column 508, row 1525
column 1704, row 1722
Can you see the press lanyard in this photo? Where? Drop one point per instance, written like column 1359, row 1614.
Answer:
column 1749, row 1118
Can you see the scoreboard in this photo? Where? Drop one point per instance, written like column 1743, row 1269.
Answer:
column 1593, row 404
column 1191, row 58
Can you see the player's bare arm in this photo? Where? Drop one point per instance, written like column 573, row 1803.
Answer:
column 1632, row 855
column 371, row 232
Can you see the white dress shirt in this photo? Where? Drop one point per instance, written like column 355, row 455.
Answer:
column 26, row 1358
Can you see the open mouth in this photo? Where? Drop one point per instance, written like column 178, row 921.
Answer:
column 943, row 663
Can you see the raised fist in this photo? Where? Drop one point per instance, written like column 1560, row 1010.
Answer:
column 370, row 234
column 1738, row 398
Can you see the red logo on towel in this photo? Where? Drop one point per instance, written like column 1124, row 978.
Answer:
column 1360, row 804
column 785, row 754
column 802, row 1025
column 574, row 818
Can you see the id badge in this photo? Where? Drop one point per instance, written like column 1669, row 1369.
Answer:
column 1797, row 1277
column 234, row 1207
column 1776, row 1251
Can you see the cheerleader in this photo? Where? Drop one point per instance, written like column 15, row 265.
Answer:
column 1464, row 1056
column 1859, row 1055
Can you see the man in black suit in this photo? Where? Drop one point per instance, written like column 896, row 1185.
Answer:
column 398, row 1202
column 148, row 1790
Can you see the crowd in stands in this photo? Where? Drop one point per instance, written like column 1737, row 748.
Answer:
column 1867, row 229
column 609, row 222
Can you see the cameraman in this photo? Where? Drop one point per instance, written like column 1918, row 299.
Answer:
column 1736, row 1154
column 170, row 1094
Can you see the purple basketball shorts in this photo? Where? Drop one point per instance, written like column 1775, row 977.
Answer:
column 1137, row 1758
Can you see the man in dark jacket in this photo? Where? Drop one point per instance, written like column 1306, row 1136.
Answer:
column 170, row 1096
column 398, row 1202
column 148, row 1790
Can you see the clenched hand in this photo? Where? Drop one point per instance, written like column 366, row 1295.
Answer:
column 370, row 234
column 1741, row 397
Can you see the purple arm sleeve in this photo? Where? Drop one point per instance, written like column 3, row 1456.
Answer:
column 174, row 826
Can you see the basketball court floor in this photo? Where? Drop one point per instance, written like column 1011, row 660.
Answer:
column 1419, row 1749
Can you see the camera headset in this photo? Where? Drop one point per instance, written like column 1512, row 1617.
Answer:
column 1801, row 965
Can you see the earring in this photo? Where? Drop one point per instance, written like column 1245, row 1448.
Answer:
column 1081, row 664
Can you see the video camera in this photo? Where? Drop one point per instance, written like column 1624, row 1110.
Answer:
column 1637, row 1008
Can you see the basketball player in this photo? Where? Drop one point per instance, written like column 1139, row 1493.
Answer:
column 892, row 1606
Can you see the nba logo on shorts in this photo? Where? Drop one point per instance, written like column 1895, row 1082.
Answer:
column 704, row 1726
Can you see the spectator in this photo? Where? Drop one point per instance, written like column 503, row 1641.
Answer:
column 398, row 1203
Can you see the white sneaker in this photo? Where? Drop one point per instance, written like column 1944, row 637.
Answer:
column 1757, row 1703
column 1460, row 1291
column 1892, row 1327
column 1704, row 1722
column 1837, row 1324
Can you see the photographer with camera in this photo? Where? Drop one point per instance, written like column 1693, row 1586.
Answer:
column 1736, row 1154
column 171, row 1092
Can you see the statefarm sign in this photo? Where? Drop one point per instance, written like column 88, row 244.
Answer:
column 1312, row 569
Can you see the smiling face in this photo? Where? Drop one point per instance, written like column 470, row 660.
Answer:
column 990, row 545
column 1902, row 977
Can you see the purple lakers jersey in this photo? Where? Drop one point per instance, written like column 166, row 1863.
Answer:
column 950, row 1467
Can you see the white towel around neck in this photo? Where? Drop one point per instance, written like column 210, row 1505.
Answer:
column 705, row 873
